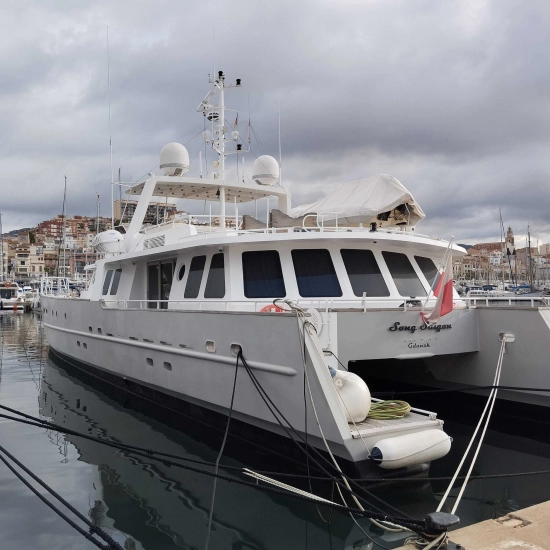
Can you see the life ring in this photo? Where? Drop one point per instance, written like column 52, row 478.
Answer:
column 6, row 284
column 272, row 308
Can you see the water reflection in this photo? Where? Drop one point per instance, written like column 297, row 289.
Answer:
column 165, row 507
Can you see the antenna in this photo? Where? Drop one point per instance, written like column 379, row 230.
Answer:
column 213, row 53
column 280, row 154
column 2, row 245
column 110, row 133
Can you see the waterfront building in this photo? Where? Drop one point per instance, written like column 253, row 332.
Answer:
column 156, row 211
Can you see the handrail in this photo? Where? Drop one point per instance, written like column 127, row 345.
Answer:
column 486, row 300
column 321, row 304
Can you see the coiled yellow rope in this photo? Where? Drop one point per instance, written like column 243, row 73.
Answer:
column 388, row 410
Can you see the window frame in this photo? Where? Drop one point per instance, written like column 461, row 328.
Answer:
column 416, row 270
column 334, row 264
column 280, row 265
column 209, row 280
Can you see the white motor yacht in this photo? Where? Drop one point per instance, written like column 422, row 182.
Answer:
column 173, row 308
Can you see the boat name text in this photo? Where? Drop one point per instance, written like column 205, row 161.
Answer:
column 413, row 328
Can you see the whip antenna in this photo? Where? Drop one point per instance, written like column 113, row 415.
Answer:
column 110, row 133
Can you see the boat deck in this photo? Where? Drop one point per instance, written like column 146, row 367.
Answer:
column 414, row 420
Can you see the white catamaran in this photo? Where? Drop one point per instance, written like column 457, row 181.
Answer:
column 170, row 306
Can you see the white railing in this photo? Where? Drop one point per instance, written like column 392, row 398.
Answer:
column 321, row 304
column 199, row 221
column 516, row 301
column 54, row 286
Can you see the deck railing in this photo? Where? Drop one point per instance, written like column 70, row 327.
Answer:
column 55, row 286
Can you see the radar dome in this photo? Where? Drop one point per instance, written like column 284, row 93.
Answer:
column 174, row 159
column 265, row 170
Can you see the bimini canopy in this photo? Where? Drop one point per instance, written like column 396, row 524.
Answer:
column 381, row 199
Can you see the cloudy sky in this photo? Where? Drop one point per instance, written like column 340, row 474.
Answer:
column 451, row 97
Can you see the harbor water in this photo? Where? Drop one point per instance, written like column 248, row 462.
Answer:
column 147, row 504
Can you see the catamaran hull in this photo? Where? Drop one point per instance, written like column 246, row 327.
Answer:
column 190, row 356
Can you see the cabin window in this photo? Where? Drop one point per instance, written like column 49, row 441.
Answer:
column 181, row 272
column 215, row 284
column 116, row 280
column 159, row 282
column 262, row 274
column 405, row 277
column 427, row 267
column 166, row 279
column 315, row 273
column 107, row 281
column 364, row 273
column 194, row 278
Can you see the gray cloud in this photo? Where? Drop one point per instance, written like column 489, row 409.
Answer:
column 450, row 98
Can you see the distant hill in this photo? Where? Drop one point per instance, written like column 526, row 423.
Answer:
column 466, row 246
column 16, row 232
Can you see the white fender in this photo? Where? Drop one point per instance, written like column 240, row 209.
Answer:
column 415, row 448
column 354, row 395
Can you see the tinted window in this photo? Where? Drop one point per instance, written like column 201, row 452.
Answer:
column 195, row 277
column 107, row 281
column 181, row 272
column 153, row 284
column 364, row 273
column 166, row 278
column 315, row 273
column 262, row 275
column 405, row 278
column 116, row 280
column 427, row 267
column 215, row 284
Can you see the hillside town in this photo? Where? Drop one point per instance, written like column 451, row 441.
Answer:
column 62, row 246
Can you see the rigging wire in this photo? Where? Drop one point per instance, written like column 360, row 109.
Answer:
column 93, row 529
column 217, row 464
column 151, row 456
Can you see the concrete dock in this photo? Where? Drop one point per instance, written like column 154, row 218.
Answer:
column 527, row 529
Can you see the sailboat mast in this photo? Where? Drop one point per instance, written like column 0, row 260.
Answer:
column 62, row 240
column 530, row 258
column 2, row 245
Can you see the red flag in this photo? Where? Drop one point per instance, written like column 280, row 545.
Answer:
column 444, row 293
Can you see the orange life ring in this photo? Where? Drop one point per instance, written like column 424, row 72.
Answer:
column 6, row 284
column 272, row 308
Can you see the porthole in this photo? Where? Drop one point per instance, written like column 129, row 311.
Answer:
column 167, row 366
column 84, row 345
column 181, row 272
column 210, row 346
column 149, row 361
column 78, row 343
column 98, row 330
column 90, row 329
column 65, row 315
column 235, row 349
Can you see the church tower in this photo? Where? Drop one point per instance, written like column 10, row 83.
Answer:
column 510, row 236
column 509, row 243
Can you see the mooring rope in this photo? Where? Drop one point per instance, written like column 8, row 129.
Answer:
column 488, row 407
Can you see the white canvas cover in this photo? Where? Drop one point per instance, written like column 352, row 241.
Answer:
column 361, row 201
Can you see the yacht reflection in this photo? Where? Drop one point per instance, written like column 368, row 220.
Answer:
column 159, row 506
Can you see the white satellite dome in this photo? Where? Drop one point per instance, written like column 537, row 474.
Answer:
column 108, row 242
column 265, row 170
column 174, row 159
